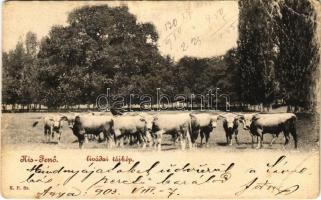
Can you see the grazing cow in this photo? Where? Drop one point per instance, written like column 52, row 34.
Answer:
column 88, row 136
column 274, row 124
column 179, row 123
column 52, row 124
column 91, row 124
column 202, row 124
column 230, row 125
column 131, row 125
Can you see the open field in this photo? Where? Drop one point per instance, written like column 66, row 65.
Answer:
column 17, row 132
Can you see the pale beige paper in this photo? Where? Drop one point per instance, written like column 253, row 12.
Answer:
column 248, row 164
column 300, row 169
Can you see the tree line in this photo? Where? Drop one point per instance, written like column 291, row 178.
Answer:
column 106, row 47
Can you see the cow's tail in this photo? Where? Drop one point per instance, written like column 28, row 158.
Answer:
column 35, row 123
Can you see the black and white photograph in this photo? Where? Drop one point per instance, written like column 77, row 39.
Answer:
column 230, row 86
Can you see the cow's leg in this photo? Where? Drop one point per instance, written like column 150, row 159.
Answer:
column 118, row 138
column 97, row 138
column 120, row 141
column 148, row 138
column 138, row 138
column 227, row 138
column 202, row 136
column 46, row 132
column 259, row 143
column 295, row 138
column 159, row 135
column 260, row 138
column 194, row 135
column 207, row 136
column 86, row 138
column 236, row 140
column 252, row 136
column 50, row 133
column 131, row 139
column 174, row 137
column 183, row 142
column 154, row 137
column 274, row 137
column 287, row 137
column 81, row 140
column 141, row 139
column 100, row 137
column 59, row 135
column 143, row 133
column 125, row 139
column 188, row 137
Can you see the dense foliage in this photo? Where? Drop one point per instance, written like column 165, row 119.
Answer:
column 278, row 52
column 104, row 47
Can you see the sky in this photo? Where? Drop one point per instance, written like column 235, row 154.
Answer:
column 191, row 28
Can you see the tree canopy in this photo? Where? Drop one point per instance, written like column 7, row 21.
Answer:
column 276, row 59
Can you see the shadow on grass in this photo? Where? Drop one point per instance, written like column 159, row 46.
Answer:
column 169, row 149
column 241, row 147
column 50, row 142
column 222, row 144
column 168, row 144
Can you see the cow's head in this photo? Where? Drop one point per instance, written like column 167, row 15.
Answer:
column 56, row 122
column 230, row 120
column 246, row 120
column 148, row 120
column 213, row 122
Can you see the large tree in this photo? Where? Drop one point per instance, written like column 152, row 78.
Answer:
column 258, row 50
column 19, row 72
column 299, row 58
column 13, row 74
column 230, row 83
column 100, row 47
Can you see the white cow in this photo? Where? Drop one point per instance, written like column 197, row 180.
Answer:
column 230, row 125
column 179, row 123
column 131, row 125
column 202, row 124
column 52, row 124
column 92, row 124
column 274, row 124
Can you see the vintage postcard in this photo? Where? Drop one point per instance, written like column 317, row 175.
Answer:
column 160, row 99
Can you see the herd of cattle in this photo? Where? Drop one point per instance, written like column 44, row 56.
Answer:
column 148, row 129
